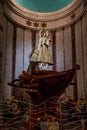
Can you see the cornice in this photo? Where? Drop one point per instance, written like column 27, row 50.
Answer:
column 53, row 20
column 25, row 13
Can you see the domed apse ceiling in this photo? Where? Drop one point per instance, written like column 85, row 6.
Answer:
column 44, row 6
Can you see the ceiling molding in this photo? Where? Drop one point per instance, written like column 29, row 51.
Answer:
column 53, row 20
column 44, row 6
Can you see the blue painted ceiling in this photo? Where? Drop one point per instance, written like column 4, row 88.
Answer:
column 44, row 6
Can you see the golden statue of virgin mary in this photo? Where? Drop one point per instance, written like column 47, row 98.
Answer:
column 42, row 54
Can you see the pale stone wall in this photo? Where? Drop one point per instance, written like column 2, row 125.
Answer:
column 23, row 46
column 24, row 43
column 81, row 54
column 8, row 60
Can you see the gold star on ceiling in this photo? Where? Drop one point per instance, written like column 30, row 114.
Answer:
column 73, row 16
column 43, row 24
column 28, row 23
column 36, row 24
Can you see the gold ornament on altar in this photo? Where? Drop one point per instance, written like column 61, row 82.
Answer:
column 52, row 126
column 81, row 102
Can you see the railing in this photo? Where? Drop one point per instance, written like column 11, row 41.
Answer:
column 66, row 118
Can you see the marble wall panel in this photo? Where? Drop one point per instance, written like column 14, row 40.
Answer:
column 79, row 58
column 8, row 60
column 19, row 61
column 68, row 56
column 84, row 47
column 59, row 50
column 68, row 48
column 27, row 48
column 19, row 52
column 4, row 55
